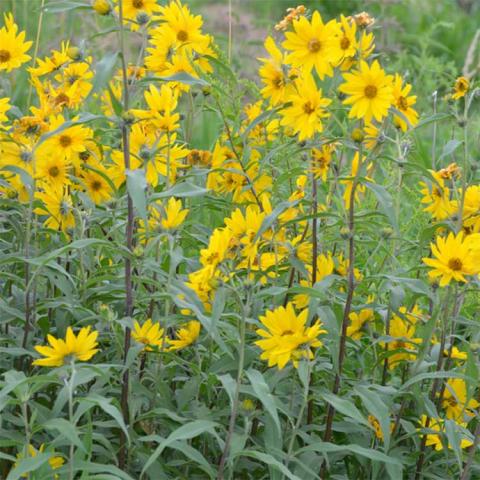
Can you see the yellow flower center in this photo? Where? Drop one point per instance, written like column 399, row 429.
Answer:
column 370, row 91
column 344, row 43
column 5, row 56
column 65, row 141
column 286, row 332
column 96, row 185
column 182, row 36
column 402, row 103
column 137, row 3
column 314, row 45
column 54, row 171
column 308, row 108
column 455, row 264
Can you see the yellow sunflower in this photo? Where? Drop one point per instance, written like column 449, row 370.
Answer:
column 460, row 88
column 277, row 85
column 53, row 170
column 403, row 103
column 57, row 204
column 369, row 90
column 285, row 336
column 455, row 401
column 97, row 188
column 304, row 115
column 186, row 335
column 61, row 351
column 149, row 334
column 455, row 257
column 314, row 44
column 13, row 47
column 133, row 8
column 4, row 108
column 436, row 197
column 321, row 159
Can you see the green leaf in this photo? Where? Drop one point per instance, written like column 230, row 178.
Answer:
column 268, row 460
column 228, row 384
column 449, row 148
column 184, row 189
column 65, row 6
column 376, row 407
column 262, row 392
column 181, row 77
column 432, row 375
column 385, row 202
column 325, row 447
column 66, row 429
column 185, row 432
column 106, row 405
column 99, row 468
column 345, row 407
column 137, row 186
column 104, row 71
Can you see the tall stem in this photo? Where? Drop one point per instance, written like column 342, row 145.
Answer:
column 122, row 454
column 314, row 264
column 241, row 361
column 433, row 392
column 300, row 413
column 71, row 456
column 348, row 305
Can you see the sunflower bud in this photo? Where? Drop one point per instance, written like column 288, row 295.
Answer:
column 357, row 135
column 74, row 53
column 386, row 232
column 102, row 7
column 128, row 118
column 345, row 233
column 143, row 18
column 248, row 405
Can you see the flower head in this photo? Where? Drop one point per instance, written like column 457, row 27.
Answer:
column 304, row 115
column 285, row 337
column 460, row 88
column 81, row 347
column 369, row 90
column 150, row 334
column 313, row 45
column 456, row 402
column 403, row 103
column 186, row 335
column 174, row 214
column 455, row 257
column 13, row 47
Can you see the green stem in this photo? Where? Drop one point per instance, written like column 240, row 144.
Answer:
column 71, row 388
column 298, row 423
column 122, row 454
column 241, row 361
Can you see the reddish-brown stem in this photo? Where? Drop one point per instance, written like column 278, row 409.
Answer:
column 346, row 313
